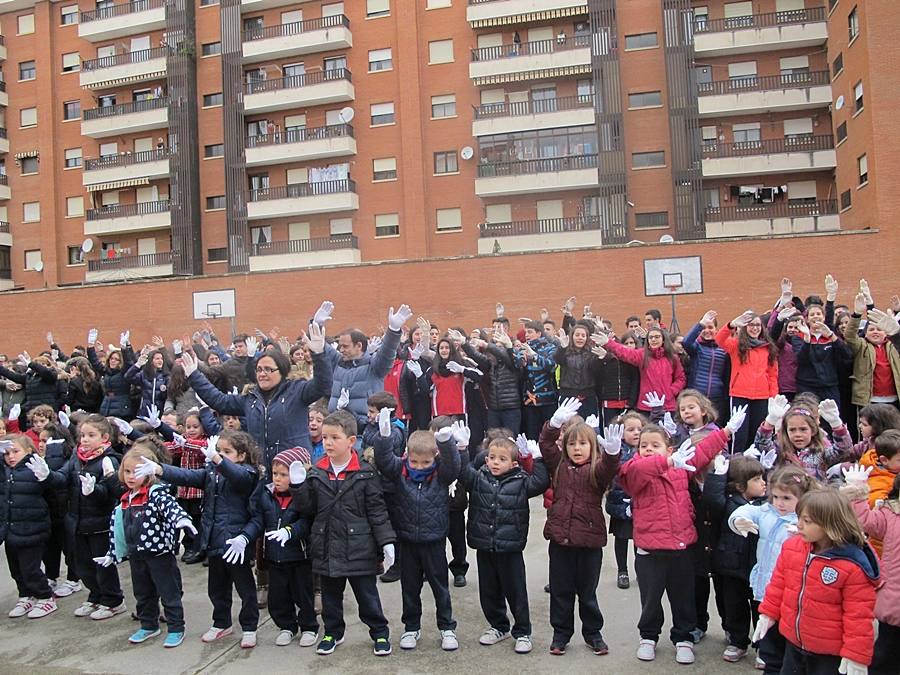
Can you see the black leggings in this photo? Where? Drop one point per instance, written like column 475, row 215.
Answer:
column 621, row 547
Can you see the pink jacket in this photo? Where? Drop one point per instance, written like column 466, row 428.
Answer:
column 884, row 523
column 663, row 375
column 661, row 506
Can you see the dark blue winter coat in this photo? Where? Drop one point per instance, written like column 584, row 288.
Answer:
column 616, row 504
column 369, row 434
column 268, row 515
column 89, row 514
column 154, row 390
column 116, row 389
column 710, row 365
column 422, row 512
column 364, row 376
column 24, row 513
column 732, row 555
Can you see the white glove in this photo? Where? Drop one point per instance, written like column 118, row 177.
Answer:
column 769, row 458
column 744, row 527
column 384, row 422
column 443, row 434
column 831, row 288
column 763, row 624
column 461, row 434
column 282, row 535
column 416, row 352
column 414, row 368
column 752, row 453
column 186, row 524
column 593, row 422
column 778, row 407
column 343, row 399
column 566, row 411
column 452, row 489
column 179, row 440
column 563, row 338
column 210, row 452
column 152, row 417
column 499, row 309
column 787, row 313
column 297, row 473
column 323, row 314
column 864, row 289
column 534, row 449
column 106, row 466
column 252, row 344
column 397, row 319
column 720, row 465
column 63, row 419
column 374, row 345
column 104, row 561
column 234, row 391
column 669, row 424
column 7, row 445
column 884, row 321
column 39, row 468
column 87, row 484
column 522, row 444
column 849, row 667
column 791, row 528
column 389, row 556
column 856, row 475
column 654, row 400
column 828, row 411
column 125, row 428
column 683, row 455
column 123, row 338
column 147, row 468
column 627, row 508
column 177, row 347
column 92, row 337
column 599, row 339
column 454, row 367
column 234, row 554
column 803, row 329
column 611, row 441
column 25, row 358
column 738, row 415
column 15, row 411
column 188, row 363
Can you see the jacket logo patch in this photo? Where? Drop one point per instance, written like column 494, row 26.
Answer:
column 829, row 575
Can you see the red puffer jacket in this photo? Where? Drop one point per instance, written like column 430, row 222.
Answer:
column 825, row 602
column 755, row 379
column 663, row 375
column 661, row 506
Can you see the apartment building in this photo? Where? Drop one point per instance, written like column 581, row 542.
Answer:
column 161, row 138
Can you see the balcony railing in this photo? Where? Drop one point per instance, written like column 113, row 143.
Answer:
column 793, row 16
column 125, row 108
column 531, row 48
column 537, row 107
column 546, row 226
column 126, row 159
column 306, row 245
column 772, row 146
column 122, row 9
column 532, row 166
column 296, row 28
column 2, row 41
column 822, row 207
column 2, row 132
column 127, row 210
column 737, row 85
column 126, row 57
column 300, row 134
column 4, row 227
column 4, row 180
column 2, row 85
column 298, row 190
column 296, row 81
column 130, row 262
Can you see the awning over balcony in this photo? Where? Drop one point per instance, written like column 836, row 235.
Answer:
column 532, row 17
column 117, row 184
column 130, row 78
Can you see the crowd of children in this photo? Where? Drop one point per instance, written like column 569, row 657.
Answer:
column 294, row 469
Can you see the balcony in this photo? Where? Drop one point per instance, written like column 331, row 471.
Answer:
column 775, row 93
column 531, row 60
column 792, row 29
column 147, row 165
column 259, row 5
column 2, row 48
column 536, row 176
column 125, row 268
column 128, row 18
column 485, row 13
column 298, row 91
column 503, row 118
column 301, row 144
column 303, row 199
column 295, row 39
column 5, row 235
column 539, row 235
column 767, row 219
column 128, row 218
column 15, row 5
column 131, row 67
column 792, row 154
column 4, row 141
column 4, row 97
column 4, row 187
column 122, row 118
column 298, row 253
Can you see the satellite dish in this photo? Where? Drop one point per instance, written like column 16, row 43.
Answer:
column 666, row 239
column 467, row 152
column 346, row 114
column 39, row 266
column 839, row 103
column 87, row 245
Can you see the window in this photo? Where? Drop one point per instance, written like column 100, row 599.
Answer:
column 73, row 158
column 449, row 220
column 28, row 165
column 801, row 192
column 216, row 254
column 862, row 163
column 437, row 4
column 446, row 162
column 207, row 3
column 384, row 169
column 380, row 59
column 845, row 200
column 68, row 15
column 440, row 51
column 28, row 117
column 76, row 255
column 443, row 106
column 71, row 63
column 31, row 212
column 333, row 9
column 858, row 96
column 340, row 226
column 742, row 74
column 261, row 235
column 853, row 24
column 215, row 150
column 644, row 99
column 387, row 225
column 377, row 8
column 33, row 259
column 216, row 202
column 109, row 149
column 794, row 69
column 210, row 100
column 641, row 41
column 837, row 65
column 654, row 219
column 841, row 132
column 71, row 110
column 640, row 160
column 798, row 129
column 212, row 48
column 382, row 113
column 25, row 24
column 27, row 70
column 75, row 206
column 711, row 197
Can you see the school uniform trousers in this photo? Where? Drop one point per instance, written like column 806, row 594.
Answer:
column 222, row 577
column 501, row 581
column 425, row 562
column 25, row 569
column 670, row 573
column 365, row 590
column 291, row 603
column 154, row 579
column 574, row 572
column 102, row 582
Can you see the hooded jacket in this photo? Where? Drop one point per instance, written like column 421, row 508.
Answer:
column 540, row 374
column 269, row 513
column 864, row 362
column 145, row 523
column 773, row 532
column 154, row 389
column 733, row 555
column 362, row 377
column 661, row 374
column 754, row 379
column 617, row 381
column 40, row 387
column 818, row 361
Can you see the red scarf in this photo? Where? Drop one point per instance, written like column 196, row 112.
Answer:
column 283, row 499
column 87, row 455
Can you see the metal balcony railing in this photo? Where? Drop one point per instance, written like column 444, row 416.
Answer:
column 794, row 16
column 298, row 190
column 4, row 180
column 532, row 166
column 4, row 227
column 518, row 109
column 125, row 108
column 127, row 210
column 546, row 226
column 2, row 41
column 773, row 146
column 126, row 57
column 296, row 81
column 2, row 85
column 300, row 134
column 822, row 207
column 130, row 262
column 121, row 9
column 126, row 159
column 531, row 48
column 2, row 132
column 306, row 245
column 767, row 83
column 296, row 28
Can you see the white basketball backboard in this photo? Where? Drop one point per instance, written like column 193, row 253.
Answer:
column 214, row 304
column 673, row 276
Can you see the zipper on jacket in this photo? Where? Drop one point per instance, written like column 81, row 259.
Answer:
column 709, row 376
column 809, row 559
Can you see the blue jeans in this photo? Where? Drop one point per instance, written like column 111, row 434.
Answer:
column 510, row 419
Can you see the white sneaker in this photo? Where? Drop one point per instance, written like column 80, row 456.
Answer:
column 86, row 609
column 684, row 652
column 66, row 588
column 492, row 636
column 646, row 650
column 759, row 664
column 410, row 639
column 104, row 612
column 523, row 644
column 308, row 638
column 214, row 634
column 248, row 639
column 449, row 642
column 733, row 654
column 284, row 638
column 22, row 607
column 42, row 608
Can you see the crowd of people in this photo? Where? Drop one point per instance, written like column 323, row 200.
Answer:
column 755, row 459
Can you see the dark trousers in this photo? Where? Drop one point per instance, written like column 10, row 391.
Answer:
column 102, row 582
column 739, row 612
column 501, row 581
column 621, row 549
column 222, row 577
column 703, row 584
column 365, row 590
column 291, row 603
column 154, row 579
column 425, row 562
column 589, row 403
column 194, row 508
column 57, row 546
column 610, row 414
column 535, row 416
column 799, row 662
column 574, row 571
column 771, row 648
column 25, row 569
column 886, row 657
column 507, row 419
column 457, row 537
column 672, row 573
column 723, row 411
column 757, row 409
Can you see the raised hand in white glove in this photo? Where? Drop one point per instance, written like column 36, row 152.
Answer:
column 752, row 453
column 787, row 313
column 683, row 455
column 106, row 466
column 252, row 344
column 374, row 345
column 93, row 334
column 857, row 475
column 884, row 321
column 850, row 667
column 147, row 468
column 123, row 338
column 104, row 560
column 188, row 363
column 738, row 415
column 654, row 400
column 831, row 288
column 720, row 465
column 297, row 472
column 534, row 449
column 63, row 419
column 828, row 411
column 414, row 368
column 522, row 446
column 38, row 467
column 768, row 459
column 5, row 446
column 125, row 428
column 389, row 556
column 593, row 422
column 209, row 452
column 179, row 440
column 282, row 535
column 384, row 422
column 87, row 484
column 744, row 526
column 186, row 524
column 152, row 417
column 669, row 424
column 599, row 339
column 443, row 434
column 461, row 434
column 343, row 399
column 778, row 407
column 627, row 508
column 455, row 367
column 15, row 411
column 563, row 338
column 566, row 411
column 323, row 314
column 611, row 441
column 397, row 319
column 177, row 347
column 763, row 624
column 864, row 289
column 415, row 353
column 234, row 553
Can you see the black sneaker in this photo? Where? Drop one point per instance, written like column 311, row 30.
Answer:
column 547, row 588
column 622, row 581
column 598, row 645
column 328, row 644
column 459, row 580
column 382, row 647
column 391, row 575
column 557, row 648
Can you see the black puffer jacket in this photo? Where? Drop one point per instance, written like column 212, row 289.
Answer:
column 89, row 514
column 505, row 391
column 350, row 523
column 154, row 386
column 24, row 513
column 116, row 389
column 498, row 506
column 617, row 381
column 40, row 387
column 423, row 509
column 578, row 369
column 267, row 515
column 79, row 398
column 732, row 555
